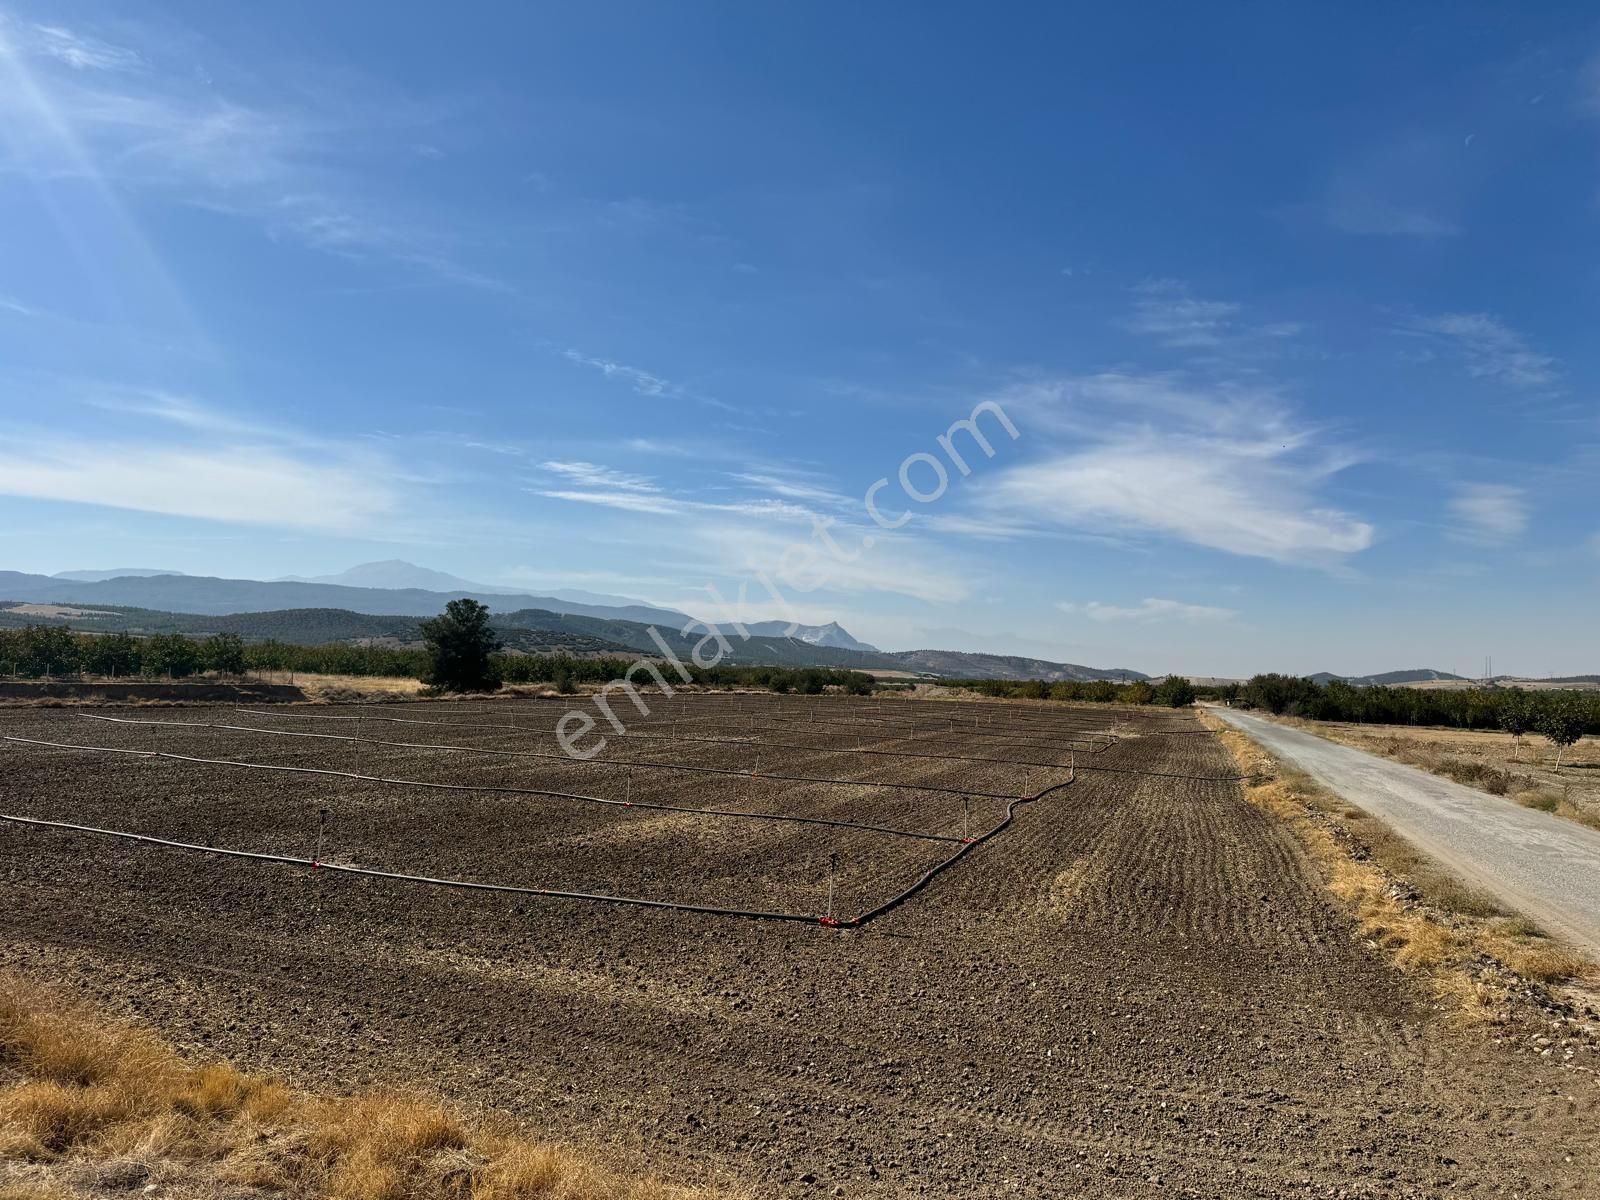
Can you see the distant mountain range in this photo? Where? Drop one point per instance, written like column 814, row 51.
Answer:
column 205, row 594
column 316, row 610
column 114, row 573
column 539, row 631
column 379, row 589
column 831, row 634
column 397, row 575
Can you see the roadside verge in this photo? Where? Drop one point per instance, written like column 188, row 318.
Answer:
column 1483, row 963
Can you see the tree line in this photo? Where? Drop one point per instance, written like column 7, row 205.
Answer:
column 50, row 651
column 457, row 657
column 1174, row 691
column 1466, row 708
column 1561, row 716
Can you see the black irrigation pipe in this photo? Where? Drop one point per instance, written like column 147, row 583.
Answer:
column 520, row 791
column 633, row 732
column 291, row 860
column 674, row 767
column 937, row 869
column 625, row 762
column 855, row 922
column 654, row 737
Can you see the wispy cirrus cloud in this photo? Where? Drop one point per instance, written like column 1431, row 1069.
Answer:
column 1150, row 609
column 1222, row 465
column 592, row 475
column 646, row 383
column 78, row 107
column 1169, row 311
column 771, row 533
column 641, row 381
column 1490, row 512
column 79, row 51
column 150, row 451
column 1488, row 347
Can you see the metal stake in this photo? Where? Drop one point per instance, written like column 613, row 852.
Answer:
column 322, row 829
column 833, row 865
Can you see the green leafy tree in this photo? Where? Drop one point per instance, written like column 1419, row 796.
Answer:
column 171, row 654
column 1101, row 691
column 460, row 646
column 1175, row 691
column 48, row 650
column 223, row 653
column 1563, row 722
column 1138, row 692
column 115, row 654
column 1516, row 717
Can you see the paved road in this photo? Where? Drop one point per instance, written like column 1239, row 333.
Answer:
column 1541, row 865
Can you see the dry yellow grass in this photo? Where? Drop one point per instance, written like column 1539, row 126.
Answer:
column 79, row 1092
column 1428, row 921
column 317, row 686
column 1485, row 759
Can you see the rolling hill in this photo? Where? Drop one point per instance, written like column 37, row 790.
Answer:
column 536, row 630
column 1388, row 678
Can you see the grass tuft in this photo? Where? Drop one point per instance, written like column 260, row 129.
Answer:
column 81, row 1090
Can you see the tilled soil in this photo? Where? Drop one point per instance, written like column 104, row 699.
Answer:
column 1138, row 988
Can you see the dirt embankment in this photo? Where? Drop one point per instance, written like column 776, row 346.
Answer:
column 110, row 691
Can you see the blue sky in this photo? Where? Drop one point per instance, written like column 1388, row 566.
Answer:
column 1292, row 312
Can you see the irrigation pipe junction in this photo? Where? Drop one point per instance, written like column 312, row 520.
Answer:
column 1077, row 738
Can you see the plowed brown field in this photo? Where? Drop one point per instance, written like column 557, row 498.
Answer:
column 1137, row 988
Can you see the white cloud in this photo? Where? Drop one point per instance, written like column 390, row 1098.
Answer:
column 201, row 461
column 1152, row 608
column 1224, row 467
column 1166, row 309
column 77, row 107
column 628, row 501
column 1491, row 512
column 590, row 474
column 642, row 382
column 7, row 304
column 772, row 535
column 1367, row 215
column 797, row 489
column 248, row 484
column 80, row 52
column 1490, row 348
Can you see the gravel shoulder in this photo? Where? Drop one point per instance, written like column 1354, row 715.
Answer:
column 1541, row 865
